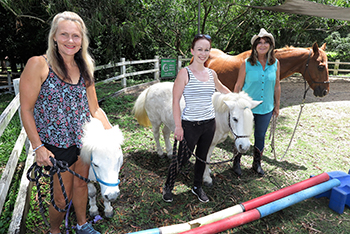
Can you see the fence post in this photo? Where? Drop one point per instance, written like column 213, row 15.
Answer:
column 9, row 81
column 123, row 69
column 179, row 63
column 156, row 66
column 336, row 67
column 16, row 88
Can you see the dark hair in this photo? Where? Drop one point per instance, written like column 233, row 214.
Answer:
column 200, row 36
column 253, row 58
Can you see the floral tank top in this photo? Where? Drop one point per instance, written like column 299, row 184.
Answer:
column 60, row 111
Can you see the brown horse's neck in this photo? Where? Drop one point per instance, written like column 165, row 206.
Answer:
column 291, row 60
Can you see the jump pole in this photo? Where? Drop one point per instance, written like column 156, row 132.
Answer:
column 260, row 212
column 240, row 208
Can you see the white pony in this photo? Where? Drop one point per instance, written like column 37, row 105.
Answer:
column 102, row 150
column 232, row 114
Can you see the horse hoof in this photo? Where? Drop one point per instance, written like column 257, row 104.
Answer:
column 170, row 154
column 109, row 214
column 93, row 213
column 208, row 184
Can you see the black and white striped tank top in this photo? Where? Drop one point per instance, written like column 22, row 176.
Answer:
column 198, row 98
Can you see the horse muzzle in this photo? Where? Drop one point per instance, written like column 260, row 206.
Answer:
column 321, row 91
column 242, row 145
column 110, row 193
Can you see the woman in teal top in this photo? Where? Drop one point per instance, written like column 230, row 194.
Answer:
column 259, row 76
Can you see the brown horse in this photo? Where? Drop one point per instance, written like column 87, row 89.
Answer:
column 310, row 62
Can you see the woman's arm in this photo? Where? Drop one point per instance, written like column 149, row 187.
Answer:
column 218, row 85
column 179, row 85
column 95, row 109
column 33, row 75
column 241, row 78
column 277, row 94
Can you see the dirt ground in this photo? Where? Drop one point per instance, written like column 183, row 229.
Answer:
column 292, row 91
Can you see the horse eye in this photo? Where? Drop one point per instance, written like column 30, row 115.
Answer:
column 321, row 67
column 95, row 165
column 235, row 119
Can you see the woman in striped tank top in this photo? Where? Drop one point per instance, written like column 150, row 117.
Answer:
column 196, row 124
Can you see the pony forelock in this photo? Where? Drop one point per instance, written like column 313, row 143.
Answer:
column 242, row 99
column 96, row 137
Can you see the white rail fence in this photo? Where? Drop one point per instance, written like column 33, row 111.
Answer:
column 335, row 70
column 333, row 67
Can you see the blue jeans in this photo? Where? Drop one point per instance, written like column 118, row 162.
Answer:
column 261, row 123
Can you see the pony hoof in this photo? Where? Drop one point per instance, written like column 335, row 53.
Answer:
column 208, row 184
column 93, row 213
column 109, row 214
column 170, row 154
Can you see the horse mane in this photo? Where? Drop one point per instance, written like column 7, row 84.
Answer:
column 242, row 98
column 243, row 101
column 96, row 136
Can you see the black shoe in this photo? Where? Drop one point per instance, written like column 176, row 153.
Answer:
column 167, row 195
column 200, row 194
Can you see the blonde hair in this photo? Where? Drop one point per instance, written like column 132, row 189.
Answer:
column 83, row 59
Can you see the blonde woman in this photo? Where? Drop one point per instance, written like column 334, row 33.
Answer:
column 58, row 96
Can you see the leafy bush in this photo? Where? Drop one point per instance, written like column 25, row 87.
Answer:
column 339, row 45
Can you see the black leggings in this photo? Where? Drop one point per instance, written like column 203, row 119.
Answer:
column 198, row 134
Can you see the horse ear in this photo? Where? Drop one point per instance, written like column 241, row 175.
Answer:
column 323, row 47
column 255, row 103
column 118, row 134
column 315, row 48
column 230, row 104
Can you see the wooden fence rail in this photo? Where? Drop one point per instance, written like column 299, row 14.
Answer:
column 336, row 66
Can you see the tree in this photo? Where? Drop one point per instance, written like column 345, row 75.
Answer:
column 141, row 29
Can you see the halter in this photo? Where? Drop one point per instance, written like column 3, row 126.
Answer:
column 229, row 125
column 306, row 69
column 101, row 181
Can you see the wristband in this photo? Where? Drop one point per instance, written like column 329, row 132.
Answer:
column 38, row 147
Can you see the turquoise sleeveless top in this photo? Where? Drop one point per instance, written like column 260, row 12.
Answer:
column 260, row 85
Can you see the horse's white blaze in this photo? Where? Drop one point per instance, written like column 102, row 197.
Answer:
column 156, row 103
column 107, row 157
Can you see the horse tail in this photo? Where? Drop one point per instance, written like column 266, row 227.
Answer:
column 139, row 110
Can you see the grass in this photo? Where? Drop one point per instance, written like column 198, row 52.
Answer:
column 319, row 145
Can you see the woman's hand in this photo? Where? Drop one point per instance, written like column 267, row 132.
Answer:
column 43, row 157
column 276, row 111
column 179, row 133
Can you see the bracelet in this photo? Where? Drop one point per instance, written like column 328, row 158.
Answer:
column 38, row 147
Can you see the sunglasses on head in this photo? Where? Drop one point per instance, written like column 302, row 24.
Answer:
column 206, row 36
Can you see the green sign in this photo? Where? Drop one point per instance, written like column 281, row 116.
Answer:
column 168, row 67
